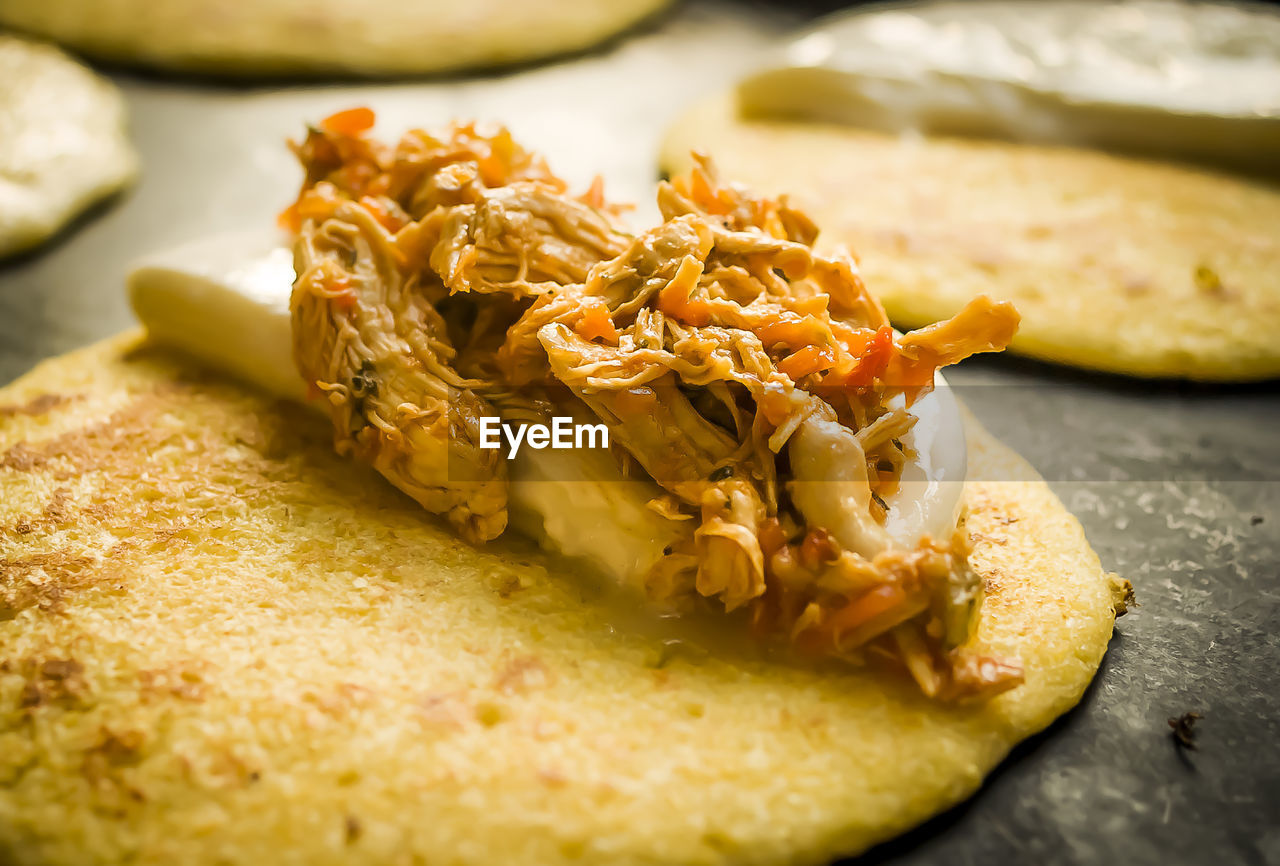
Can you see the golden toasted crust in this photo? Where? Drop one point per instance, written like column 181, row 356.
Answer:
column 220, row 643
column 1116, row 264
column 292, row 37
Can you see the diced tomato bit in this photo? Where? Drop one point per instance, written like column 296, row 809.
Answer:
column 792, row 329
column 810, row 359
column 811, row 306
column 596, row 321
column 340, row 293
column 352, row 122
column 818, row 547
column 771, row 536
column 317, row 203
column 864, row 608
column 594, row 196
column 674, row 301
column 870, row 351
column 385, row 216
column 494, row 165
column 713, row 200
column 288, row 219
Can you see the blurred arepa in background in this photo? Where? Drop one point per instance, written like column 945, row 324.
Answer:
column 1110, row 168
column 63, row 142
column 324, row 37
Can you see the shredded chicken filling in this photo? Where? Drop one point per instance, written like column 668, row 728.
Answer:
column 453, row 276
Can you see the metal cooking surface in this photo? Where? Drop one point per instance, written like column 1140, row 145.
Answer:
column 1176, row 485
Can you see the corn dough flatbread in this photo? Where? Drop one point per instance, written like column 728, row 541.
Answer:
column 63, row 143
column 299, row 37
column 221, row 643
column 1116, row 264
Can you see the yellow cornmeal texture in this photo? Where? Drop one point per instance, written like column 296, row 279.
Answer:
column 1115, row 264
column 219, row 643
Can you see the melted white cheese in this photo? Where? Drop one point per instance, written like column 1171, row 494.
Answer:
column 1162, row 77
column 928, row 497
column 226, row 301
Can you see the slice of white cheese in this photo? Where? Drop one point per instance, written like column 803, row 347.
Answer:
column 225, row 300
column 927, row 501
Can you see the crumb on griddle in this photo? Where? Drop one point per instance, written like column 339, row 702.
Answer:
column 1184, row 729
column 1122, row 595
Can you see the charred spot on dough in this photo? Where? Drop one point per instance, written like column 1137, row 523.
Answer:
column 43, row 581
column 42, row 404
column 61, row 670
column 55, row 513
column 87, row 449
column 992, row 581
column 22, row 458
column 509, row 585
column 137, row 475
column 985, row 538
column 113, row 751
column 52, row 682
column 56, row 510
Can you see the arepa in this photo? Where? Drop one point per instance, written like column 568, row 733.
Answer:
column 220, row 643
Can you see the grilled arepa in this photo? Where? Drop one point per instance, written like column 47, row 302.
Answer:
column 220, row 643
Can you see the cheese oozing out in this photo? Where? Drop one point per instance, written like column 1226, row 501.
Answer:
column 225, row 301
